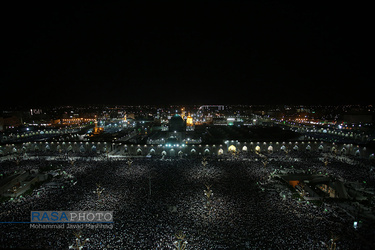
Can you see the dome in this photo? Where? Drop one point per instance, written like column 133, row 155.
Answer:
column 176, row 123
column 176, row 117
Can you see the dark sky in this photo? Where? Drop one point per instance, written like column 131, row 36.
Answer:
column 138, row 52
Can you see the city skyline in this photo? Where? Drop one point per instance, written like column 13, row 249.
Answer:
column 198, row 125
column 178, row 170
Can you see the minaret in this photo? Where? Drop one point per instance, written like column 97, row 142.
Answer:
column 97, row 130
column 183, row 113
column 96, row 126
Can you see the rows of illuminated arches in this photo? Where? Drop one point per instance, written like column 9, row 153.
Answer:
column 229, row 147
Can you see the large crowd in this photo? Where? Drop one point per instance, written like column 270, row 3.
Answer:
column 154, row 199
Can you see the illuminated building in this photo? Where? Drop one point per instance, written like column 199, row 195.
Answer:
column 97, row 130
column 176, row 123
column 189, row 121
column 9, row 122
column 183, row 113
column 67, row 121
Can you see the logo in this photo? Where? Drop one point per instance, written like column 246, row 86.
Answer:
column 71, row 217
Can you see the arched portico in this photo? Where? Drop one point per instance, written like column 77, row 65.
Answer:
column 232, row 149
column 172, row 152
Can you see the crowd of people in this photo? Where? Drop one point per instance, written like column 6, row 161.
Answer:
column 154, row 199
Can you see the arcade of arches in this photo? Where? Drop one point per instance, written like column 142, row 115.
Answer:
column 188, row 149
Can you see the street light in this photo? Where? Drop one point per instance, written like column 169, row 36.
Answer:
column 180, row 243
column 208, row 193
column 204, row 162
column 79, row 242
column 99, row 191
column 129, row 162
column 265, row 162
column 331, row 245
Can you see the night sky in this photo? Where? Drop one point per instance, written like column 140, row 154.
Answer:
column 204, row 52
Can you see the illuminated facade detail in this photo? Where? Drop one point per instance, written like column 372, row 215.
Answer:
column 232, row 149
column 68, row 121
column 97, row 130
column 189, row 121
column 183, row 112
column 187, row 146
